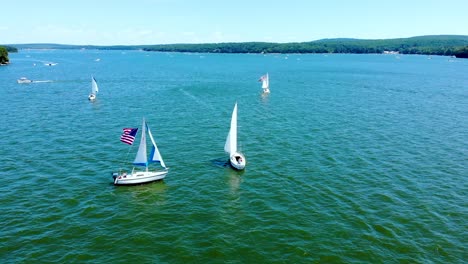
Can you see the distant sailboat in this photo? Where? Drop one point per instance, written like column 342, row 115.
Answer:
column 141, row 159
column 236, row 158
column 265, row 79
column 94, row 89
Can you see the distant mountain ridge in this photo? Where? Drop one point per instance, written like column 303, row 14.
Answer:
column 448, row 45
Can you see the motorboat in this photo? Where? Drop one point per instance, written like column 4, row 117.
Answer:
column 24, row 80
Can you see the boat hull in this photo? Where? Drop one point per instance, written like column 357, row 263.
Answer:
column 24, row 81
column 237, row 161
column 92, row 97
column 139, row 177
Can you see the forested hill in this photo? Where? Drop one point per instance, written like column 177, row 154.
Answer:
column 448, row 45
column 10, row 48
column 4, row 54
column 431, row 45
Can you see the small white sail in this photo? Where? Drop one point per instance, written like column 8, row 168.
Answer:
column 155, row 155
column 265, row 82
column 94, row 89
column 141, row 158
column 94, row 86
column 231, row 141
column 265, row 79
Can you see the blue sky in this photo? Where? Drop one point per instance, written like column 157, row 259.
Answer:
column 123, row 22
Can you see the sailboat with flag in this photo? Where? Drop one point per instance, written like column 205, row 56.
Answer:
column 137, row 176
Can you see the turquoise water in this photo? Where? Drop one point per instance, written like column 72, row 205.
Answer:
column 350, row 159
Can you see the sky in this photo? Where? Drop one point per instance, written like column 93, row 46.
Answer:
column 143, row 22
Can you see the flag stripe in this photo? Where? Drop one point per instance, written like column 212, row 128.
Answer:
column 128, row 135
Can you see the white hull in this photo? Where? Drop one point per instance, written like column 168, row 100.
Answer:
column 266, row 90
column 237, row 161
column 139, row 177
column 92, row 97
column 24, row 80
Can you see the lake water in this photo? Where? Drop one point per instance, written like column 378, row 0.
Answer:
column 350, row 159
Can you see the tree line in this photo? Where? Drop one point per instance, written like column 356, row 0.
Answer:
column 4, row 54
column 447, row 45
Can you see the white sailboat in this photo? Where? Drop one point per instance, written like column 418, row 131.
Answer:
column 94, row 89
column 141, row 159
column 265, row 79
column 236, row 158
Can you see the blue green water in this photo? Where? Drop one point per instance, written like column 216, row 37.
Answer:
column 350, row 159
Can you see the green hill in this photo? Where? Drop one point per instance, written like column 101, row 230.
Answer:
column 430, row 45
column 4, row 55
column 448, row 45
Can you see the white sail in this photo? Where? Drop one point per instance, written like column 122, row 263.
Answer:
column 231, row 141
column 265, row 81
column 155, row 156
column 94, row 86
column 141, row 158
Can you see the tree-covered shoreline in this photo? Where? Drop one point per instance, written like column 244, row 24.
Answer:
column 445, row 45
column 428, row 45
column 4, row 56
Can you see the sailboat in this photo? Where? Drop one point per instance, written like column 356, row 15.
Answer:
column 141, row 159
column 94, row 89
column 236, row 158
column 265, row 79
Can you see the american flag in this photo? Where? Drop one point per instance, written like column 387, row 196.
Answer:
column 128, row 135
